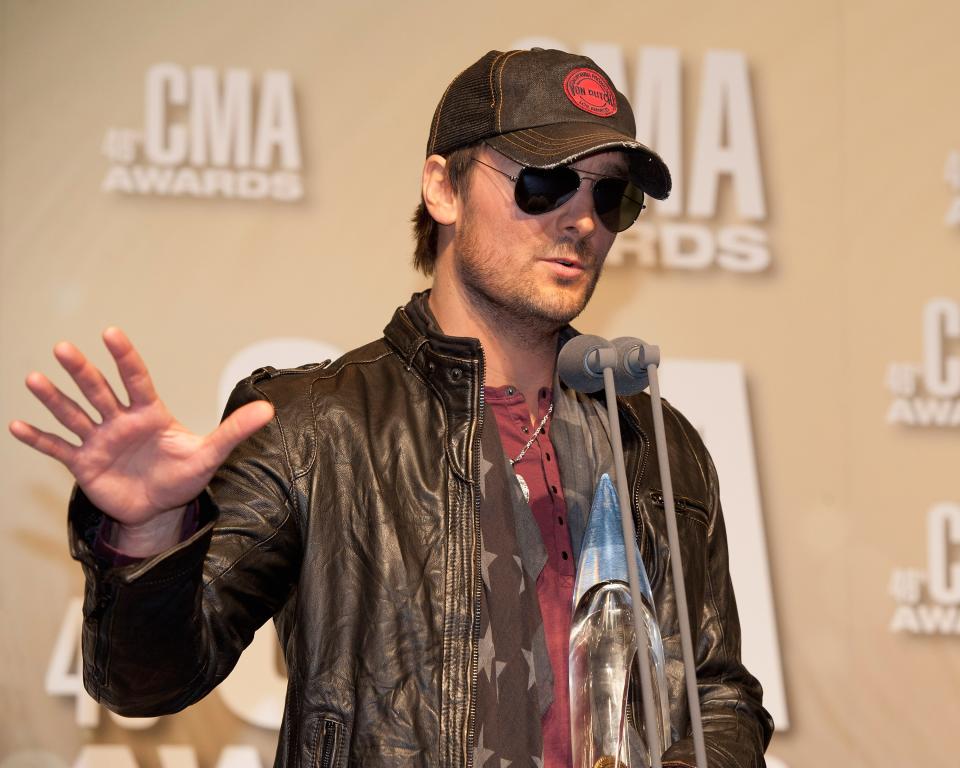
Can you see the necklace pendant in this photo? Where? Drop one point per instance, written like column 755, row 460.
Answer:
column 523, row 487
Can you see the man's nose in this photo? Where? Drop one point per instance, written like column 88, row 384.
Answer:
column 579, row 216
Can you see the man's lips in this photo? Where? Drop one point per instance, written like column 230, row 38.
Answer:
column 566, row 264
column 564, row 268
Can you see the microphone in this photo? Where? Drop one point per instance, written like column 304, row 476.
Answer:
column 582, row 360
column 633, row 356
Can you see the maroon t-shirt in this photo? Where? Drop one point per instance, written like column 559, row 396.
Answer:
column 555, row 583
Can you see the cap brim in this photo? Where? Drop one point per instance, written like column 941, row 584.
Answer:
column 548, row 146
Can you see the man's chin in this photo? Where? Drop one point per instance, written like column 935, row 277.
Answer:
column 563, row 305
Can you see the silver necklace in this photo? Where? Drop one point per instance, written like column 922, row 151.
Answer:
column 523, row 483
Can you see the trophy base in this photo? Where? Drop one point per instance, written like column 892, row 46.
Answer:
column 608, row 761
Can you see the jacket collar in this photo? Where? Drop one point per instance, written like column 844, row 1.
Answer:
column 453, row 368
column 413, row 325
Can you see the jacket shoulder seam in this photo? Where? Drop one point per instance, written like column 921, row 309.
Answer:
column 292, row 476
column 337, row 369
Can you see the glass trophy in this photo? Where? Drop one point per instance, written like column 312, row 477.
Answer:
column 607, row 724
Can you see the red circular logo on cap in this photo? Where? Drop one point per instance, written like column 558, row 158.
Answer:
column 588, row 90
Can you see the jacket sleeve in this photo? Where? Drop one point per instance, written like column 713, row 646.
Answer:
column 736, row 727
column 161, row 633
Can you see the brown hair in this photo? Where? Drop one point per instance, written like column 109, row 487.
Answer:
column 425, row 229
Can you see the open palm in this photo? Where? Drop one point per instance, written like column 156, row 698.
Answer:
column 138, row 462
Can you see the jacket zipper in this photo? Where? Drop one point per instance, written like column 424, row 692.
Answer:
column 639, row 522
column 328, row 744
column 680, row 502
column 475, row 651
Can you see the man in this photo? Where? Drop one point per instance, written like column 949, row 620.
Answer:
column 410, row 514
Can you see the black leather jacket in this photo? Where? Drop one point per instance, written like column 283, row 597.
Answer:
column 352, row 520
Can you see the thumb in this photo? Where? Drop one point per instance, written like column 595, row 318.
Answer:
column 237, row 427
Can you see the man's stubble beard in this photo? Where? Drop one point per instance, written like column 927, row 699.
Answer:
column 507, row 301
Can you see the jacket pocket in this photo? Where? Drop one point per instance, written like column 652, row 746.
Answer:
column 684, row 506
column 327, row 743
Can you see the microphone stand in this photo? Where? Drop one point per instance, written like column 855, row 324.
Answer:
column 649, row 358
column 650, row 355
column 629, row 537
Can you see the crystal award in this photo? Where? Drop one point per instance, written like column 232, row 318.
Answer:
column 606, row 711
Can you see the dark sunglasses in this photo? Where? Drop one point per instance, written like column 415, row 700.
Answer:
column 541, row 190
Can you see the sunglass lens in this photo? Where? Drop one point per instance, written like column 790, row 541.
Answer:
column 618, row 203
column 542, row 190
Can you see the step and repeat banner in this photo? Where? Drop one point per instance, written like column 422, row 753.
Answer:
column 232, row 184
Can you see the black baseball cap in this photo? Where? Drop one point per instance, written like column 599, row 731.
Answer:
column 543, row 108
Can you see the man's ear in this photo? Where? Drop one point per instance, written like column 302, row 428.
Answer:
column 438, row 195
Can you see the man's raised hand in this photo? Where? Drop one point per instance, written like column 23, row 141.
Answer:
column 138, row 464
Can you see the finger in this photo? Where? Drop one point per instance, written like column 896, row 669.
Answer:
column 133, row 371
column 238, row 426
column 46, row 443
column 65, row 410
column 88, row 378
